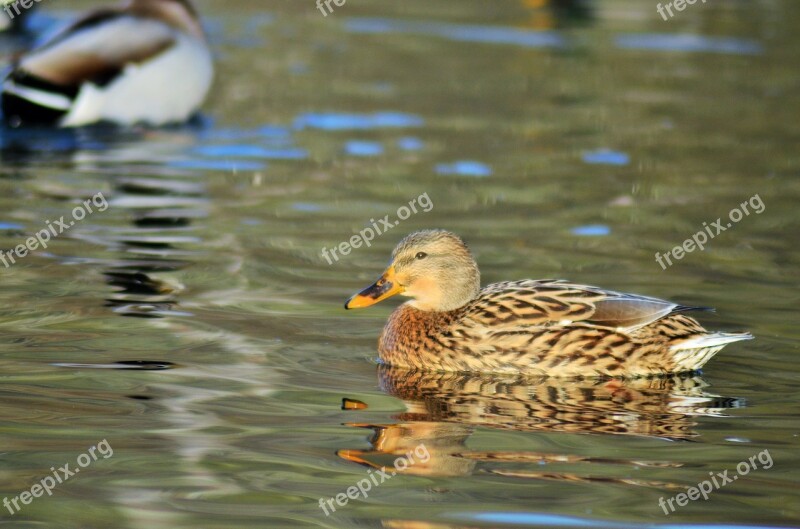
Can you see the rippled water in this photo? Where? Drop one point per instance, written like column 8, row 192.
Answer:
column 196, row 327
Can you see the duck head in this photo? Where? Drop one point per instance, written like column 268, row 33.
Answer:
column 433, row 267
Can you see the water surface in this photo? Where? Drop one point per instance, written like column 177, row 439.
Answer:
column 195, row 325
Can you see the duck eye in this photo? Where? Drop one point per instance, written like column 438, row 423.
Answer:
column 421, row 255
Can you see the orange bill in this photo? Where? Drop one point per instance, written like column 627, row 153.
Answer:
column 383, row 288
column 353, row 404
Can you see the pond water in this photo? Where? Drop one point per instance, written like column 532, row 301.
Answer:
column 192, row 326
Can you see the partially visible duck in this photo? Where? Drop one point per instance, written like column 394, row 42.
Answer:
column 530, row 327
column 145, row 62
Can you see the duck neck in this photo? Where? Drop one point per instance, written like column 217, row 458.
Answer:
column 447, row 294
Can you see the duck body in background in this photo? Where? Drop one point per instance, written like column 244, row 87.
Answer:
column 146, row 62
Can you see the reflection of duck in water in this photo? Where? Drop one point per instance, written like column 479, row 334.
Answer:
column 652, row 407
column 530, row 327
column 443, row 409
column 165, row 209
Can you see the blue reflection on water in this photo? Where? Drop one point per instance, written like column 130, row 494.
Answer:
column 460, row 32
column 688, row 43
column 252, row 151
column 464, row 168
column 591, row 230
column 338, row 121
column 556, row 520
column 606, row 157
column 218, row 165
column 410, row 143
column 363, row 148
column 272, row 132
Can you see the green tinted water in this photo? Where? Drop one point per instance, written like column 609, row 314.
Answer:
column 572, row 144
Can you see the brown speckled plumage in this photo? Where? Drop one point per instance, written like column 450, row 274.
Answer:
column 530, row 327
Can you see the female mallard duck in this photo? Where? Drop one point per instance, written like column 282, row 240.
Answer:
column 145, row 62
column 531, row 327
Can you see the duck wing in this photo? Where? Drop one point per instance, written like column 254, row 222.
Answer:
column 546, row 302
column 630, row 312
column 96, row 49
